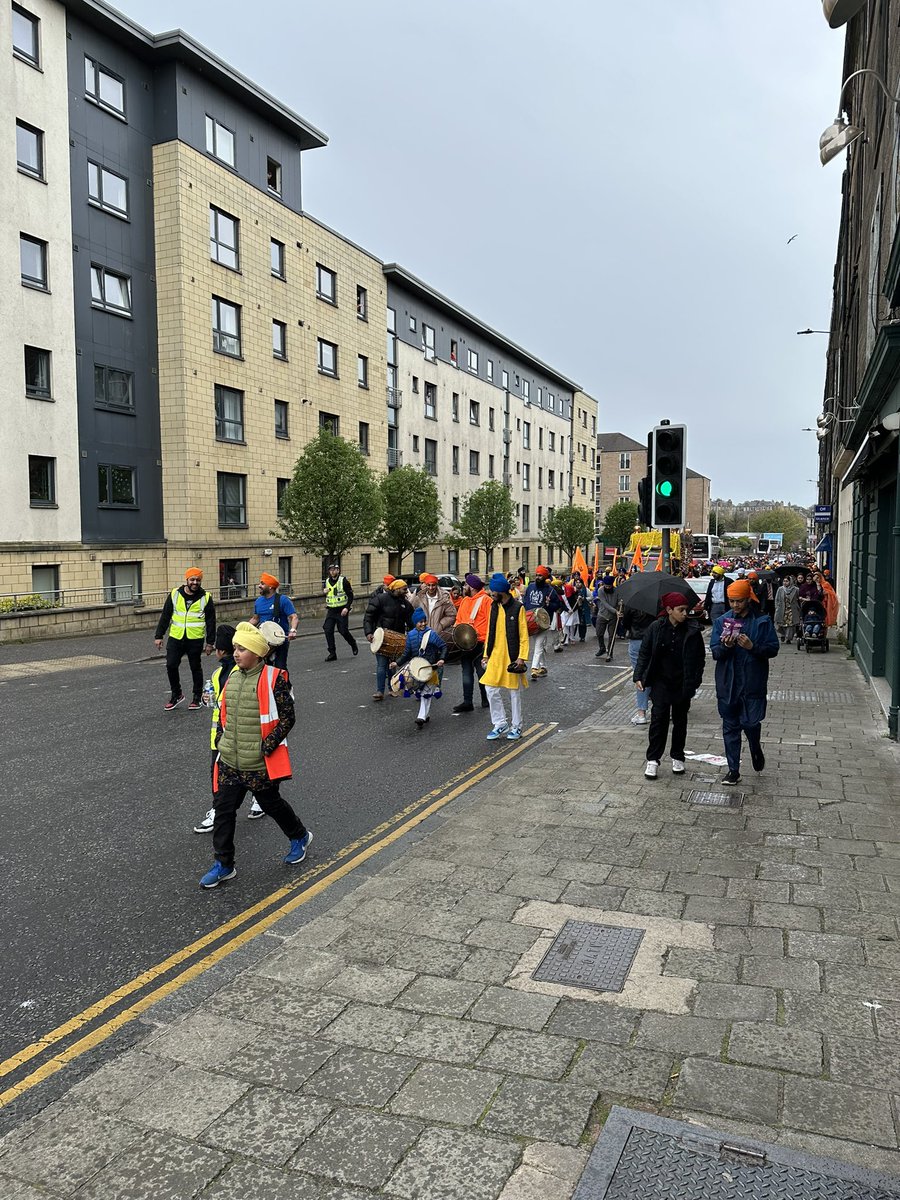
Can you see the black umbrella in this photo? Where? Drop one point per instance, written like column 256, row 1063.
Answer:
column 645, row 591
column 789, row 569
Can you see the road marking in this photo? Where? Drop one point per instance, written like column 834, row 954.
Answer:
column 46, row 666
column 613, row 683
column 438, row 798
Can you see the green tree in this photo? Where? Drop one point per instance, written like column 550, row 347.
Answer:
column 411, row 512
column 619, row 523
column 781, row 520
column 569, row 527
column 487, row 519
column 332, row 501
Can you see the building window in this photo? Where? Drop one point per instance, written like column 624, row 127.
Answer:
column 454, row 406
column 526, row 389
column 279, row 340
column 412, row 324
column 281, row 419
column 562, row 444
column 331, row 422
column 526, row 434
column 110, row 290
column 219, row 141
column 540, row 478
column 551, row 440
column 41, row 481
column 491, row 415
column 454, row 459
column 526, row 477
column 415, row 443
column 26, row 38
column 431, row 456
column 473, row 561
column 365, row 569
column 232, row 498
column 362, row 371
column 473, row 360
column 474, row 412
column 33, row 262
column 455, row 509
column 526, row 518
column 45, row 582
column 490, row 466
column 504, row 380
column 540, row 400
column 624, row 462
column 326, row 284
column 428, row 342
column 362, row 303
column 474, row 462
column 624, row 483
column 37, row 373
column 415, row 385
column 364, row 438
column 286, row 573
column 490, row 370
column 223, row 238
column 431, row 401
column 107, row 190
column 102, row 87
column 551, row 480
column 454, row 352
column 226, row 324
column 276, row 258
column 551, row 404
column 328, row 360
column 121, row 582
column 229, row 414
column 115, row 486
column 30, row 150
column 419, row 564
column 281, row 487
column 273, row 176
column 113, row 388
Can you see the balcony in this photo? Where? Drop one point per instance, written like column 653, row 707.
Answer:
column 394, row 458
column 394, row 397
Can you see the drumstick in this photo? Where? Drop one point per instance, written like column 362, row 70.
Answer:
column 612, row 644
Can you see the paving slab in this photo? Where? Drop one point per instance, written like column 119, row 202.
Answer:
column 537, row 1108
column 450, row 1164
column 357, row 1147
column 449, row 1094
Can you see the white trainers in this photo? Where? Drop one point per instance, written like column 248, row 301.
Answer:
column 255, row 811
column 677, row 766
column 651, row 770
column 206, row 825
column 639, row 718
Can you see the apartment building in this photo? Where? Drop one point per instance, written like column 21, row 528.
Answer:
column 622, row 463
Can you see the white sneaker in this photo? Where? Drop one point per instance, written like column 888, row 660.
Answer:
column 255, row 811
column 651, row 770
column 639, row 718
column 206, row 825
column 677, row 766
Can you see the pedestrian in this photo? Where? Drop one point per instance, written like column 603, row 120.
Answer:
column 607, row 615
column 787, row 610
column 635, row 624
column 671, row 660
column 256, row 713
column 438, row 606
column 742, row 642
column 541, row 594
column 474, row 610
column 271, row 605
column 581, row 604
column 505, row 660
column 338, row 600
column 391, row 610
column 716, row 601
column 189, row 615
column 423, row 642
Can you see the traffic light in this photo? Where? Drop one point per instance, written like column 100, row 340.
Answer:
column 645, row 488
column 669, row 476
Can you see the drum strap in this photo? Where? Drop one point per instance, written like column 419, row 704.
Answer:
column 424, row 642
column 475, row 607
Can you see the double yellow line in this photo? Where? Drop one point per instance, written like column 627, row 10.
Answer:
column 281, row 902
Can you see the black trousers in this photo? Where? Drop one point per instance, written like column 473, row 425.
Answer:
column 334, row 620
column 471, row 670
column 176, row 649
column 279, row 657
column 663, row 710
column 228, row 800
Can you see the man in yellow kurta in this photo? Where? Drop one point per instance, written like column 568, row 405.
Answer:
column 505, row 659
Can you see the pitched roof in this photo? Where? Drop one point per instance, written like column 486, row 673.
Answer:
column 617, row 443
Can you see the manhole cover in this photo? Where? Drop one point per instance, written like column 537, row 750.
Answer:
column 642, row 1157
column 717, row 799
column 804, row 696
column 592, row 956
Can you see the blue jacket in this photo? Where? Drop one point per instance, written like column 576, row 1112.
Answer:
column 744, row 674
column 435, row 649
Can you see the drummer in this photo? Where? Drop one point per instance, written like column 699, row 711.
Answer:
column 540, row 594
column 386, row 610
column 437, row 605
column 423, row 642
column 474, row 611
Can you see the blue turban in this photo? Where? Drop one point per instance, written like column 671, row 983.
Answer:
column 419, row 615
column 498, row 582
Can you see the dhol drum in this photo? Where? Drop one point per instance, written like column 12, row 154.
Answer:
column 462, row 638
column 537, row 621
column 273, row 633
column 397, row 681
column 388, row 643
column 421, row 671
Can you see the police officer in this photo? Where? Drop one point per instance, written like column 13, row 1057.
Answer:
column 190, row 617
column 338, row 599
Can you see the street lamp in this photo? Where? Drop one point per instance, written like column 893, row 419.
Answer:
column 839, row 12
column 804, row 332
column 839, row 135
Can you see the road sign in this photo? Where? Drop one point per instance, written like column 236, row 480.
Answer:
column 822, row 514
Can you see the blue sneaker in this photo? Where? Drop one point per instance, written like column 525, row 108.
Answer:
column 217, row 874
column 497, row 732
column 514, row 735
column 298, row 849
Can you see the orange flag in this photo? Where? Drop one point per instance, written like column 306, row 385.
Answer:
column 578, row 563
column 638, row 560
column 596, row 558
column 658, row 566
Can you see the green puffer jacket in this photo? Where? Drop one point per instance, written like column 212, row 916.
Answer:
column 240, row 745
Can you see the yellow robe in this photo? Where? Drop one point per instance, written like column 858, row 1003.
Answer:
column 496, row 674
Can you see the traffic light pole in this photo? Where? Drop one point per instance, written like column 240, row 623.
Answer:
column 666, row 549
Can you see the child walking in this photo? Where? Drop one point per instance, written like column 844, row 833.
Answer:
column 422, row 642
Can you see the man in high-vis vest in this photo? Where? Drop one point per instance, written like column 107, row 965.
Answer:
column 189, row 614
column 338, row 599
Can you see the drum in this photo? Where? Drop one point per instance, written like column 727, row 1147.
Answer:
column 463, row 636
column 388, row 643
column 396, row 684
column 421, row 671
column 273, row 633
column 537, row 620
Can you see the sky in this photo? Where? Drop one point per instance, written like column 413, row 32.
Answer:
column 610, row 183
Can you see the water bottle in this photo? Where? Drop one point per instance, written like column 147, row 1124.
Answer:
column 208, row 693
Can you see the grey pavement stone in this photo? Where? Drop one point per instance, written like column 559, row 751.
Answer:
column 519, row 1052
column 441, row 997
column 357, row 1148
column 303, row 968
column 624, row 1071
column 785, row 1049
column 869, row 982
column 500, row 935
column 450, row 1164
column 836, row 1015
column 861, row 924
column 830, row 947
column 733, row 939
column 480, row 905
column 364, row 943
column 589, row 895
column 715, row 1087
column 429, row 956
column 655, row 904
column 63, row 1153
column 383, row 914
column 789, row 872
column 185, row 1101
column 834, row 896
column 758, row 889
column 729, row 868
column 159, row 1167
column 439, row 1092
column 535, row 1108
column 255, row 1181
column 872, row 1064
column 637, row 877
column 696, row 885
column 681, row 1035
column 205, row 1039
column 370, row 1027
column 717, row 911
column 281, row 1058
column 593, row 1021
column 536, row 887
column 361, row 1077
column 444, row 926
column 296, row 1011
column 734, row 1002
column 488, row 966
column 711, row 965
column 836, row 1110
column 239, row 997
column 786, row 916
column 118, row 1081
column 507, row 1006
column 584, row 872
column 446, row 1039
column 15, row 1189
column 267, row 1124
column 800, row 975
column 366, row 982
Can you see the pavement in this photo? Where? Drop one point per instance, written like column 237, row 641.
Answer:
column 389, row 1039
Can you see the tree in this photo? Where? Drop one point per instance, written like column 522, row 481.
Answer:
column 619, row 523
column 332, row 501
column 411, row 512
column 781, row 520
column 570, row 526
column 487, row 519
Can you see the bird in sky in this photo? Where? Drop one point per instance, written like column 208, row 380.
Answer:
column 790, row 239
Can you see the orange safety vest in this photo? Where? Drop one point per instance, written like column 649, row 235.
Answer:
column 278, row 763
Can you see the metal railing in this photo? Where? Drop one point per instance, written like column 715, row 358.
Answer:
column 123, row 594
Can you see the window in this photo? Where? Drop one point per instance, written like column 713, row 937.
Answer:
column 474, row 462
column 115, row 486
column 113, row 388
column 37, row 373
column 412, row 324
column 526, row 477
column 41, row 481
column 362, row 303
column 326, row 284
column 286, row 573
column 474, row 412
column 229, row 414
column 103, row 87
column 551, row 479
column 362, row 371
column 276, row 258
column 415, row 443
column 526, row 389
column 281, row 487
column 562, row 444
column 33, row 261
column 526, row 434
column 364, row 438
column 121, row 582
column 331, row 422
column 454, row 352
column 365, row 569
column 490, row 370
column 431, row 456
column 551, row 440
column 419, row 557
column 454, row 406
column 540, row 478
column 504, row 379
column 232, row 498
column 473, row 361
column 30, row 150
column 540, row 396
column 45, row 582
column 624, row 462
column 281, row 419
column 223, row 238
column 415, row 385
column 490, row 466
column 431, row 401
column 550, row 402
column 453, row 562
column 428, row 342
column 455, row 509
column 107, row 190
column 584, row 418
column 491, row 419
column 454, row 459
column 109, row 290
column 219, row 141
column 328, row 362
column 473, row 561
column 273, row 176
column 279, row 339
column 26, row 36
column 540, row 437
column 526, row 518
column 226, row 324
column 624, row 483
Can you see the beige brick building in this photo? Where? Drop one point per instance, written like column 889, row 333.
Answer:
column 622, row 463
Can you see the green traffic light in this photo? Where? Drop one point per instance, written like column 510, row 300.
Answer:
column 664, row 488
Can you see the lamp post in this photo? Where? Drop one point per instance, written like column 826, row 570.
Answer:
column 841, row 134
column 804, row 332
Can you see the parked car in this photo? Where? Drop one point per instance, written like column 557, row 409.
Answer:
column 445, row 581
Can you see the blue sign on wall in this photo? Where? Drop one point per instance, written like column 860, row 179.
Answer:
column 823, row 514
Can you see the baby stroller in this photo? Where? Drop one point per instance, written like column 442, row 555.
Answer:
column 813, row 626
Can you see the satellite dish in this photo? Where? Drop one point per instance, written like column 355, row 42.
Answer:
column 839, row 12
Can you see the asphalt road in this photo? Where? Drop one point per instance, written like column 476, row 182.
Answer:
column 98, row 863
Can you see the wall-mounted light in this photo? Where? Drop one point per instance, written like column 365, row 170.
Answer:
column 839, row 135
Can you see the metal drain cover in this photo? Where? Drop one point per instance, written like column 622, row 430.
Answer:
column 642, row 1157
column 588, row 955
column 717, row 799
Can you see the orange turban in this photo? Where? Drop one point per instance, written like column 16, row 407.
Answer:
column 740, row 590
column 193, row 573
column 423, row 576
column 388, row 580
column 268, row 580
column 429, row 580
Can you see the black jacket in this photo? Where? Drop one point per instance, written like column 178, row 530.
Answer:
column 707, row 603
column 168, row 610
column 386, row 611
column 635, row 623
column 692, row 649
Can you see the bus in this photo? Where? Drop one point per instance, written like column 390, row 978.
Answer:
column 707, row 547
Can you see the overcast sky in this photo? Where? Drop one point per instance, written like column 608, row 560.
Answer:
column 610, row 183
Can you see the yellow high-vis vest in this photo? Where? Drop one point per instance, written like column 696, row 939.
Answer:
column 188, row 622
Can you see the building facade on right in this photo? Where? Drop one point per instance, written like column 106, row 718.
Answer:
column 858, row 427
